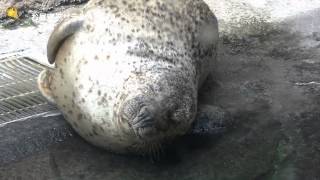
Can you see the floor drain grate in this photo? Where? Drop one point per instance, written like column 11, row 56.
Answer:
column 19, row 94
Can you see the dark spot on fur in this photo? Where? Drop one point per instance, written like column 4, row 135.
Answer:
column 70, row 112
column 94, row 130
column 80, row 116
column 96, row 57
column 88, row 27
column 99, row 92
column 80, row 86
column 61, row 73
column 129, row 38
column 115, row 8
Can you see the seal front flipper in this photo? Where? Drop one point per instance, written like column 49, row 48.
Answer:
column 66, row 28
column 44, row 82
column 211, row 120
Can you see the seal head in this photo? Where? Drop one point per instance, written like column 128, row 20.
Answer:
column 159, row 110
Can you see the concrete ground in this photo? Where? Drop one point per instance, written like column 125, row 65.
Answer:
column 267, row 76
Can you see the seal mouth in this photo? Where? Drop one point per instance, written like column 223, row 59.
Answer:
column 145, row 134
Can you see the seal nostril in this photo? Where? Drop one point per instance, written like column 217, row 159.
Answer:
column 144, row 118
column 144, row 113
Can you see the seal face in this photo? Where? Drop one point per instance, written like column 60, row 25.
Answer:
column 127, row 73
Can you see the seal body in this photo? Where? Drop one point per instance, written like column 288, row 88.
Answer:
column 127, row 73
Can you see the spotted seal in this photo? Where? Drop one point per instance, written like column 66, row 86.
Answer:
column 127, row 72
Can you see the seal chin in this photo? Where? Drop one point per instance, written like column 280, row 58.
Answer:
column 146, row 134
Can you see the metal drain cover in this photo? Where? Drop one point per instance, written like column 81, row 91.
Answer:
column 19, row 94
column 29, row 124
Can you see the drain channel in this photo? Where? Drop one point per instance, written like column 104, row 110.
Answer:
column 19, row 94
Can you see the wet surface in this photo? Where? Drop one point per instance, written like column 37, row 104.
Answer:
column 270, row 84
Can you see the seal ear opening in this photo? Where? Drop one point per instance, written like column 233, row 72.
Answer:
column 44, row 82
column 65, row 29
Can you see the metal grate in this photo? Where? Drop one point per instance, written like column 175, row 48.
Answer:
column 19, row 94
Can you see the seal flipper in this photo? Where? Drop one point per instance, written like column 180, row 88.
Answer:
column 65, row 29
column 44, row 82
column 211, row 120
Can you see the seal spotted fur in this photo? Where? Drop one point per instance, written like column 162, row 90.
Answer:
column 127, row 73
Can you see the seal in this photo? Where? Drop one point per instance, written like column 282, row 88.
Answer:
column 127, row 73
